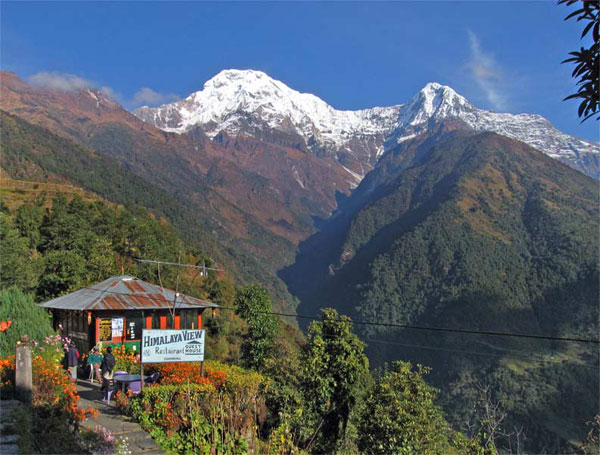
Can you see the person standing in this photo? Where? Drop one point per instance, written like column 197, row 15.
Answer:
column 72, row 361
column 107, row 367
column 94, row 360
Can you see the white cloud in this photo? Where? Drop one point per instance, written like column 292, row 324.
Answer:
column 147, row 96
column 65, row 82
column 110, row 93
column 486, row 72
column 55, row 80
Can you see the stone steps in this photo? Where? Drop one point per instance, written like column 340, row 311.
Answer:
column 120, row 426
column 8, row 440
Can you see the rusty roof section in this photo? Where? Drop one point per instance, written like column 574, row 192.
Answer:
column 125, row 292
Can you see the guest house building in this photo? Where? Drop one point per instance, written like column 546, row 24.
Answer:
column 115, row 311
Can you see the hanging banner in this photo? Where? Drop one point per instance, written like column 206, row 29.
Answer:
column 172, row 346
column 117, row 327
column 105, row 330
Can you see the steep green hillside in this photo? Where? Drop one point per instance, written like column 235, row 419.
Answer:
column 484, row 233
column 31, row 152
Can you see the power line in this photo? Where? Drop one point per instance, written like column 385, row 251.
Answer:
column 395, row 325
column 371, row 340
column 489, row 354
column 444, row 329
column 201, row 267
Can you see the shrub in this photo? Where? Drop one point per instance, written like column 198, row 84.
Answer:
column 55, row 413
column 27, row 319
column 125, row 360
column 401, row 416
column 216, row 415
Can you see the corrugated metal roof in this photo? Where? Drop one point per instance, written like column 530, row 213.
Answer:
column 124, row 292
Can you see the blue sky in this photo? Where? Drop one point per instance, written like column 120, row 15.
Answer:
column 503, row 56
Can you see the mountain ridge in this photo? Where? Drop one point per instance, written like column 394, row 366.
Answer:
column 479, row 232
column 246, row 101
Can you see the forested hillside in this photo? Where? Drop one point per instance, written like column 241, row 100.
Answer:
column 479, row 233
column 33, row 153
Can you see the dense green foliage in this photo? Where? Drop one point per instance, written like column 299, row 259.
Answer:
column 26, row 317
column 253, row 304
column 335, row 373
column 587, row 59
column 481, row 233
column 202, row 418
column 401, row 417
column 73, row 244
column 17, row 266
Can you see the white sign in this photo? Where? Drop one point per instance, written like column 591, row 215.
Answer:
column 172, row 346
column 117, row 327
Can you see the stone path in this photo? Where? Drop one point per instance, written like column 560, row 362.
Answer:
column 8, row 440
column 109, row 417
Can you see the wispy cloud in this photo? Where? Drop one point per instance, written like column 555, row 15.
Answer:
column 486, row 72
column 147, row 96
column 65, row 82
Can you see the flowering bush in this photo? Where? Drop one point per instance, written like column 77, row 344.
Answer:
column 190, row 413
column 125, row 359
column 189, row 372
column 101, row 441
column 55, row 412
column 52, row 348
column 7, row 372
column 51, row 385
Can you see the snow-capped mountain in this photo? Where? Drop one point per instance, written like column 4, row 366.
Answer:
column 250, row 102
column 437, row 102
column 246, row 101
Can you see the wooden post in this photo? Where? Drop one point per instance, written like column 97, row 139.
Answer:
column 202, row 368
column 23, row 371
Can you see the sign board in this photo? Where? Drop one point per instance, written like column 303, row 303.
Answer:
column 133, row 330
column 105, row 330
column 172, row 346
column 117, row 327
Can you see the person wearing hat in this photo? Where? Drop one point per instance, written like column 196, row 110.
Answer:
column 94, row 360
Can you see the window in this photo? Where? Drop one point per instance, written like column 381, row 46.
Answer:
column 189, row 319
column 155, row 320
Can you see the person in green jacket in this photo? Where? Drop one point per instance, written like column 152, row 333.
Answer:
column 94, row 360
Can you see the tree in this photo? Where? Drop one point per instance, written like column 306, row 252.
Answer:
column 64, row 271
column 334, row 374
column 253, row 304
column 401, row 417
column 586, row 60
column 18, row 264
column 27, row 319
column 29, row 219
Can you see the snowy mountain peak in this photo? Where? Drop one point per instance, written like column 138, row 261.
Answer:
column 250, row 102
column 241, row 77
column 432, row 101
column 237, row 83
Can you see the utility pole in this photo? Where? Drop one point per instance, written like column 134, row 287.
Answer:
column 201, row 270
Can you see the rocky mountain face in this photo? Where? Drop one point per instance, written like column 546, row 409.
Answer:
column 251, row 103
